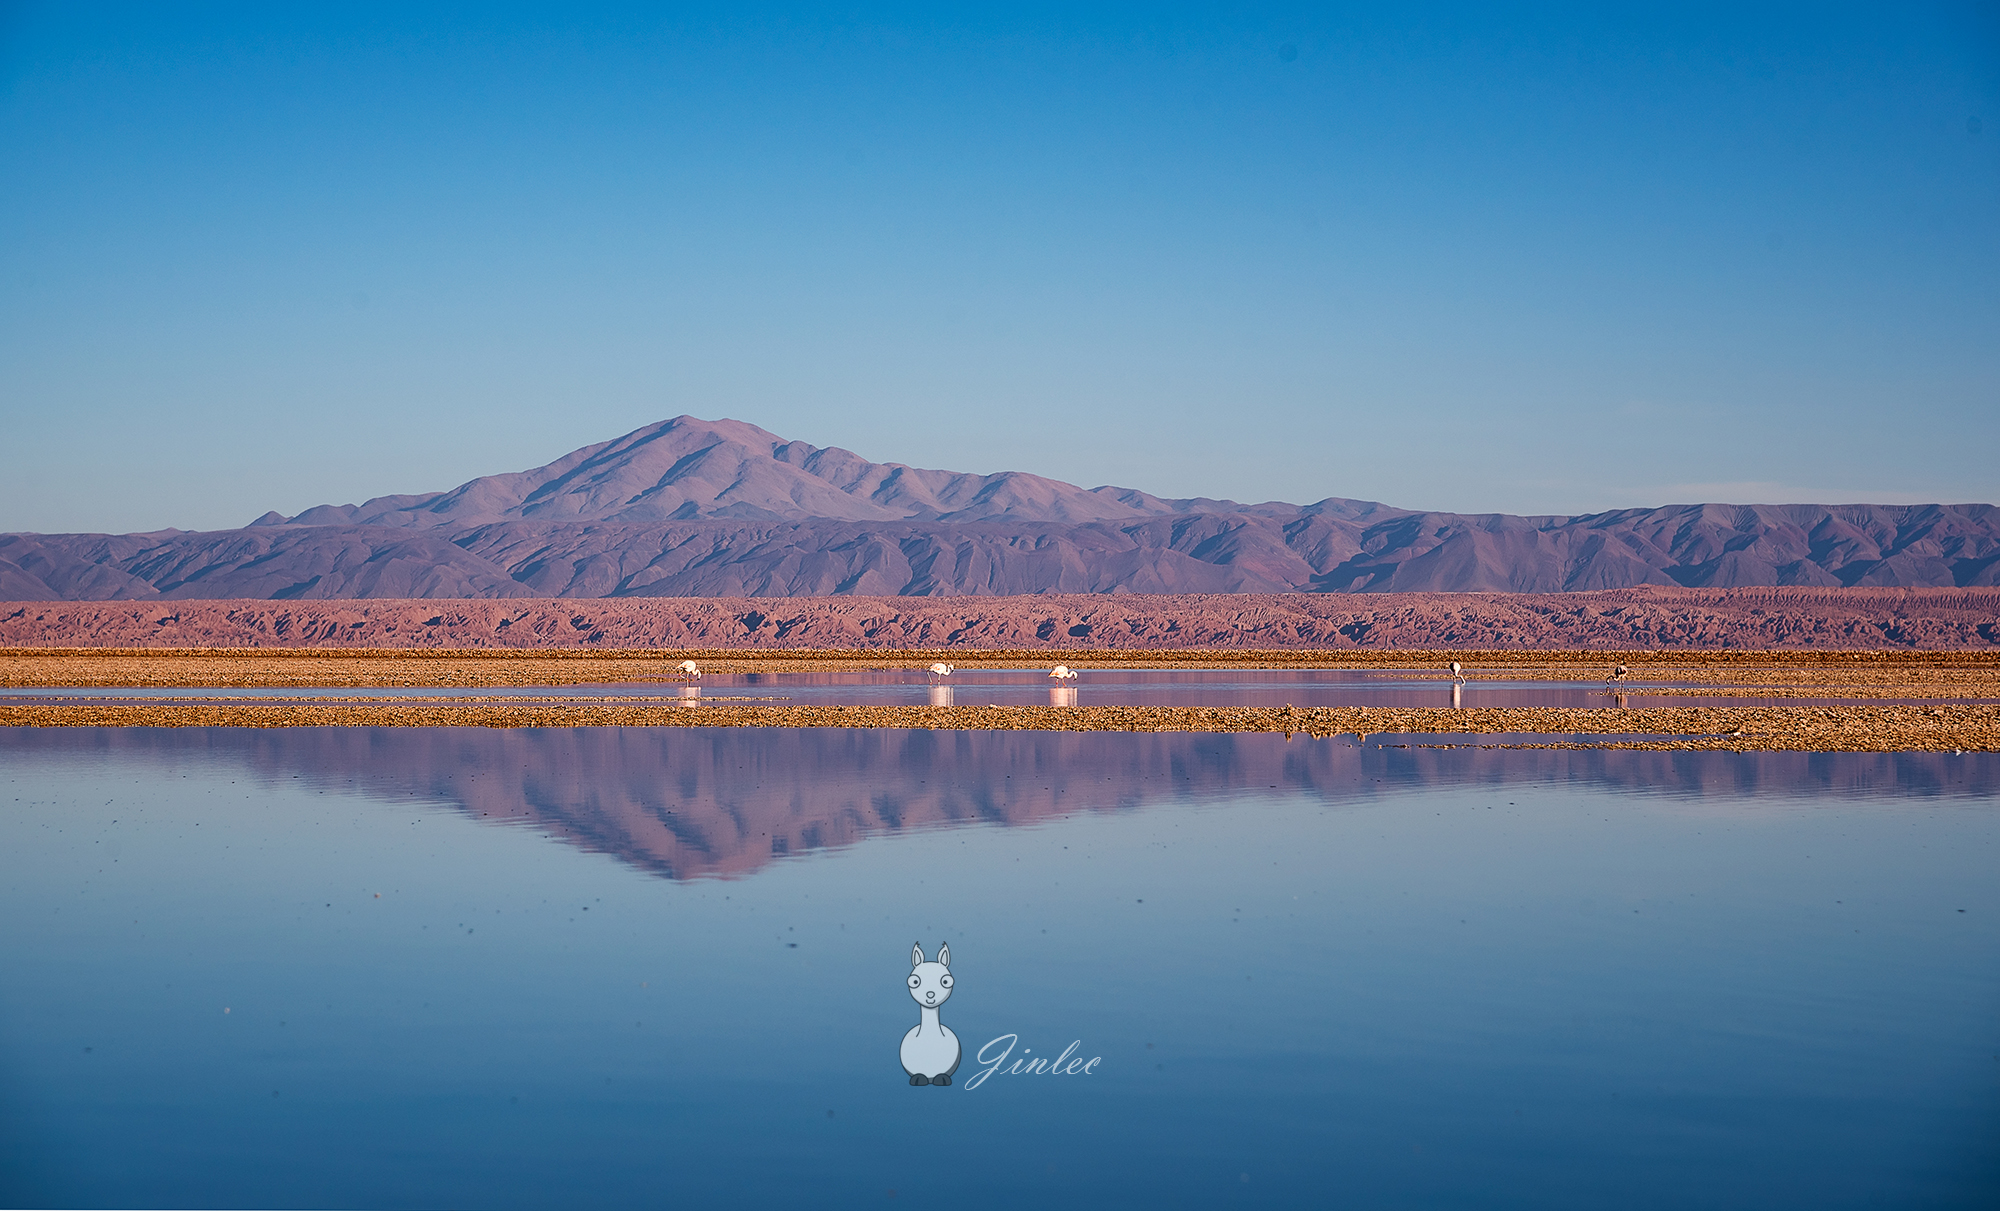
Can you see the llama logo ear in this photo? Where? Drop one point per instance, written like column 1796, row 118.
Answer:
column 917, row 955
column 944, row 955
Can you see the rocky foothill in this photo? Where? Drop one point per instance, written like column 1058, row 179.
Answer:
column 1636, row 619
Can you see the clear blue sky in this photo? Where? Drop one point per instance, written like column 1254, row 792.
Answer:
column 1548, row 260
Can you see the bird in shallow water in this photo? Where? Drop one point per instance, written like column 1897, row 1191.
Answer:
column 1457, row 671
column 1063, row 672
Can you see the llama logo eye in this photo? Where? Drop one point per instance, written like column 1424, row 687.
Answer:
column 916, row 981
column 945, row 981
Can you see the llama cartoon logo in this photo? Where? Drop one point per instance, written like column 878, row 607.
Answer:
column 930, row 1051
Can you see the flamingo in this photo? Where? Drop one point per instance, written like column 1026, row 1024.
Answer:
column 689, row 668
column 1063, row 672
column 1621, row 674
column 1457, row 671
column 941, row 670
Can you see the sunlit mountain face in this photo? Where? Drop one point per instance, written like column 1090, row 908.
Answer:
column 688, row 507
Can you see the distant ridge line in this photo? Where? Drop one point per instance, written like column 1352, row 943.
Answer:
column 1687, row 620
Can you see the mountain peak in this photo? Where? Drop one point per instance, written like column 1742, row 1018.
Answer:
column 688, row 469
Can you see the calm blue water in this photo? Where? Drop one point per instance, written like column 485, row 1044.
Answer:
column 466, row 967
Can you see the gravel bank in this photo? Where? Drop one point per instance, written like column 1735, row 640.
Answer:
column 1807, row 729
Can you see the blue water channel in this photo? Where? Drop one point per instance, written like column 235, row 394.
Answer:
column 636, row 967
column 1034, row 687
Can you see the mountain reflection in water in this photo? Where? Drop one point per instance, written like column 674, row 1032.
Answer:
column 691, row 802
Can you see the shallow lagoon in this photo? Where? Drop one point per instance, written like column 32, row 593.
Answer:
column 1175, row 687
column 624, row 966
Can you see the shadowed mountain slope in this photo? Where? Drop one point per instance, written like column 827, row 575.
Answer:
column 688, row 507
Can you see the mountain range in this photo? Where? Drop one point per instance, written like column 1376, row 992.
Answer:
column 694, row 508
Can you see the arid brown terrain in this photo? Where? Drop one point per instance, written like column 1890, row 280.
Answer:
column 1630, row 619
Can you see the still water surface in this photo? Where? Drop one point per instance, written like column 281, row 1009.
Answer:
column 1177, row 687
column 421, row 967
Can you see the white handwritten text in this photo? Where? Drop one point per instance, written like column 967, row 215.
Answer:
column 1062, row 1065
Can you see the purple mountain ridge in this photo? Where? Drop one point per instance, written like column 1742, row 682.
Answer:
column 694, row 508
